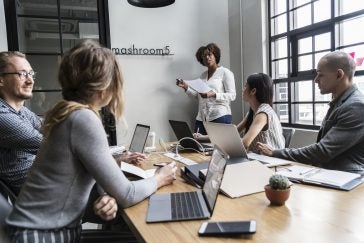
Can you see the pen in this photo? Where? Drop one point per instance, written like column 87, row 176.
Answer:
column 162, row 164
column 307, row 171
column 198, row 129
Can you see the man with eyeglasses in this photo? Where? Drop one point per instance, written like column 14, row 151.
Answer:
column 340, row 141
column 20, row 135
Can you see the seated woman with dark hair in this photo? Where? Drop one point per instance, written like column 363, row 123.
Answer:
column 261, row 124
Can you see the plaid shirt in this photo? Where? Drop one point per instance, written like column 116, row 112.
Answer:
column 20, row 140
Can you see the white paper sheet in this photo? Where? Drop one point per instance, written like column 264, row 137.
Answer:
column 198, row 85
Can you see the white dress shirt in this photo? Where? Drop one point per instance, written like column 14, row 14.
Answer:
column 222, row 82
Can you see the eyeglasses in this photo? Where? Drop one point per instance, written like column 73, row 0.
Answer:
column 23, row 74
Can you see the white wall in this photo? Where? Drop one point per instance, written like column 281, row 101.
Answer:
column 3, row 38
column 150, row 91
column 236, row 65
column 255, row 54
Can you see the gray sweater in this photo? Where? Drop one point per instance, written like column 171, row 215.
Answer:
column 66, row 167
column 341, row 137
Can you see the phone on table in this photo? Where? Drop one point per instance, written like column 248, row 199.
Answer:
column 228, row 228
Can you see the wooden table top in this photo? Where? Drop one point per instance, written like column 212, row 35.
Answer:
column 311, row 214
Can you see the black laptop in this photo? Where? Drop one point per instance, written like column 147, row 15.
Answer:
column 182, row 130
column 190, row 205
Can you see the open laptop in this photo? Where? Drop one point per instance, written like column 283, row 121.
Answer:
column 190, row 205
column 182, row 130
column 139, row 138
column 227, row 137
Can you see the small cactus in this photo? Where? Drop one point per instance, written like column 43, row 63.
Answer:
column 279, row 182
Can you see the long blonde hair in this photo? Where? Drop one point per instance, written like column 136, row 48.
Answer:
column 85, row 70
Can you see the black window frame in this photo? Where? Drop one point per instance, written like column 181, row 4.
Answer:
column 293, row 75
column 11, row 17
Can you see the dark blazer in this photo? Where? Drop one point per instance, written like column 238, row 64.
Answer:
column 340, row 143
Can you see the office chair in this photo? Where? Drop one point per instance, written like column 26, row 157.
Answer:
column 7, row 199
column 5, row 208
column 288, row 134
column 6, row 192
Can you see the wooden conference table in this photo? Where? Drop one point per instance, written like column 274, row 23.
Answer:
column 311, row 214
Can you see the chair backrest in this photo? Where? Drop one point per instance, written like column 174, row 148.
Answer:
column 6, row 192
column 288, row 134
column 5, row 209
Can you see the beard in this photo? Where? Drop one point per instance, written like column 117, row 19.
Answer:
column 24, row 96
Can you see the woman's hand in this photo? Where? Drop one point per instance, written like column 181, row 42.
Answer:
column 181, row 83
column 134, row 158
column 106, row 207
column 265, row 149
column 200, row 137
column 166, row 174
column 210, row 94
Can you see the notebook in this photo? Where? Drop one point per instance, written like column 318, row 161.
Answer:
column 190, row 205
column 135, row 172
column 139, row 138
column 242, row 179
column 322, row 177
column 227, row 137
column 182, row 130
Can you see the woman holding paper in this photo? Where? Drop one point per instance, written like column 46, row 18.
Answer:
column 216, row 89
column 261, row 124
column 75, row 152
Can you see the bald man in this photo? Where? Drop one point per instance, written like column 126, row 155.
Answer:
column 340, row 141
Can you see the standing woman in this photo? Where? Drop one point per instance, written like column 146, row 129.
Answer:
column 213, row 106
column 75, row 153
column 261, row 124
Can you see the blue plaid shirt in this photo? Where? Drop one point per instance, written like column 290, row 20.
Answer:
column 20, row 140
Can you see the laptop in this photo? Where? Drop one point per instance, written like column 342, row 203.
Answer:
column 182, row 130
column 190, row 205
column 139, row 138
column 227, row 137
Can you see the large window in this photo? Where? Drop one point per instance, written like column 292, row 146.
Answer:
column 44, row 30
column 301, row 32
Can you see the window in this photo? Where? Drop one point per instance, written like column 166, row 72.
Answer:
column 44, row 30
column 301, row 32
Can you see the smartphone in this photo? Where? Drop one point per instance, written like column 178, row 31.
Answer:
column 228, row 228
column 179, row 80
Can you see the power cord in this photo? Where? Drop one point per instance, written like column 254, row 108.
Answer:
column 188, row 138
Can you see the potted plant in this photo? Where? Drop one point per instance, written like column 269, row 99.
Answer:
column 278, row 189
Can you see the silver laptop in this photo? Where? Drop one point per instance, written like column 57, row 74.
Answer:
column 226, row 137
column 190, row 205
column 139, row 138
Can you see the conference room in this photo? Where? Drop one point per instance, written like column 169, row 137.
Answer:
column 156, row 42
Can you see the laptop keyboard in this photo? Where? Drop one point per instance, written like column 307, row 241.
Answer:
column 185, row 205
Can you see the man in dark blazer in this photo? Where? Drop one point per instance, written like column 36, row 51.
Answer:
column 340, row 141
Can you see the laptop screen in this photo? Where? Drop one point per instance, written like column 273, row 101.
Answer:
column 214, row 177
column 182, row 130
column 139, row 138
